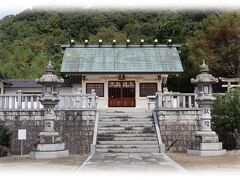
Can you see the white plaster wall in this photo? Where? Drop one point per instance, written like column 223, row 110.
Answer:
column 65, row 90
column 141, row 102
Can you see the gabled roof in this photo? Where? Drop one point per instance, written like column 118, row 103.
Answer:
column 22, row 83
column 121, row 59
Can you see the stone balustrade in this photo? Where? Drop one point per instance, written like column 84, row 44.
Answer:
column 172, row 100
column 22, row 101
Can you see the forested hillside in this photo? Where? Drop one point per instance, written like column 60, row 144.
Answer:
column 30, row 38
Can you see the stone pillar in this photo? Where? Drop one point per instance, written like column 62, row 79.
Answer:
column 93, row 99
column 206, row 141
column 19, row 99
column 49, row 144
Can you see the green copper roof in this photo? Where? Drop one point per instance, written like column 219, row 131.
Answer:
column 109, row 59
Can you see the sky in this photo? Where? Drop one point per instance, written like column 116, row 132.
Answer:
column 12, row 7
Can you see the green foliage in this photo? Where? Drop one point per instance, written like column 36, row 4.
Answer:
column 175, row 27
column 5, row 136
column 107, row 34
column 28, row 39
column 217, row 42
column 226, row 111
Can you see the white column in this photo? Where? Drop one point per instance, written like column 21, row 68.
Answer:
column 106, row 93
column 137, row 94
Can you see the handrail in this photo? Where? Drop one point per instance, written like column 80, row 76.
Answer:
column 175, row 100
column 31, row 101
column 156, row 123
column 94, row 142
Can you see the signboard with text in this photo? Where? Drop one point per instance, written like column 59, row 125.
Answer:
column 22, row 134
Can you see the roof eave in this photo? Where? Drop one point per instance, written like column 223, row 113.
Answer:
column 123, row 72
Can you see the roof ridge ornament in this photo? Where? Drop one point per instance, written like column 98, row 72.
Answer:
column 114, row 41
column 141, row 42
column 155, row 42
column 50, row 67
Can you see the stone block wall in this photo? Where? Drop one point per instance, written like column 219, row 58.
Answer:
column 178, row 128
column 75, row 126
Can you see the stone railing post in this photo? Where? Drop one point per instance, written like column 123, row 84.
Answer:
column 19, row 99
column 93, row 98
column 159, row 100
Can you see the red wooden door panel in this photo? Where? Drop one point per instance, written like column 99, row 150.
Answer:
column 121, row 94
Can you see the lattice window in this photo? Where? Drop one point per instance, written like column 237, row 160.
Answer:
column 99, row 88
column 148, row 89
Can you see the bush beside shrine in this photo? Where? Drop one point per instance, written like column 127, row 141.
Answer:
column 5, row 138
column 226, row 118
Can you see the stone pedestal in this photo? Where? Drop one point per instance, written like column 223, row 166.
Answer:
column 206, row 144
column 49, row 146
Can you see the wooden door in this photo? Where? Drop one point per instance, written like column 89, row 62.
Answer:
column 121, row 94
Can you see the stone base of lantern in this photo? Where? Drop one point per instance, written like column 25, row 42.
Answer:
column 49, row 146
column 206, row 144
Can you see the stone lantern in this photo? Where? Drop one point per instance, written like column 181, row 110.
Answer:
column 50, row 144
column 206, row 141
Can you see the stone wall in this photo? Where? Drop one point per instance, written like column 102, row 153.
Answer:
column 178, row 128
column 75, row 126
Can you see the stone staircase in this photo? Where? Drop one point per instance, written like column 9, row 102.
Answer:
column 126, row 132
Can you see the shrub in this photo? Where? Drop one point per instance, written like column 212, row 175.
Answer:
column 226, row 118
column 5, row 137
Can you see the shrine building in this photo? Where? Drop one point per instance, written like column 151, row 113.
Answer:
column 122, row 75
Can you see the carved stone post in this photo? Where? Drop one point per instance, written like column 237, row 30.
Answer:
column 50, row 144
column 206, row 141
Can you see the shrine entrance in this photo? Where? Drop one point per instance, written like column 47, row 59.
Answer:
column 121, row 94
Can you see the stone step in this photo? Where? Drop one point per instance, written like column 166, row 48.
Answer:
column 127, row 138
column 123, row 146
column 133, row 131
column 125, row 110
column 135, row 135
column 125, row 116
column 132, row 114
column 136, row 142
column 124, row 124
column 127, row 128
column 126, row 120
column 128, row 150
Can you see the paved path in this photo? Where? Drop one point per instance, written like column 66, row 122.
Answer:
column 130, row 162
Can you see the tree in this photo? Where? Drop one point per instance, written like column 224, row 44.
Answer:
column 217, row 42
column 174, row 26
column 30, row 36
column 107, row 34
column 226, row 114
column 5, row 137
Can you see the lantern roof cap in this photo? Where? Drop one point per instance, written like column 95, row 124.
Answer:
column 204, row 76
column 49, row 77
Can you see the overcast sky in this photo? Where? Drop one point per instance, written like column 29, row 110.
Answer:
column 8, row 7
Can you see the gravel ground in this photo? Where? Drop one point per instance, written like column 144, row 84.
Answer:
column 230, row 162
column 18, row 163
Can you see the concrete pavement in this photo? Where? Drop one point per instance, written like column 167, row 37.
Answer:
column 130, row 162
